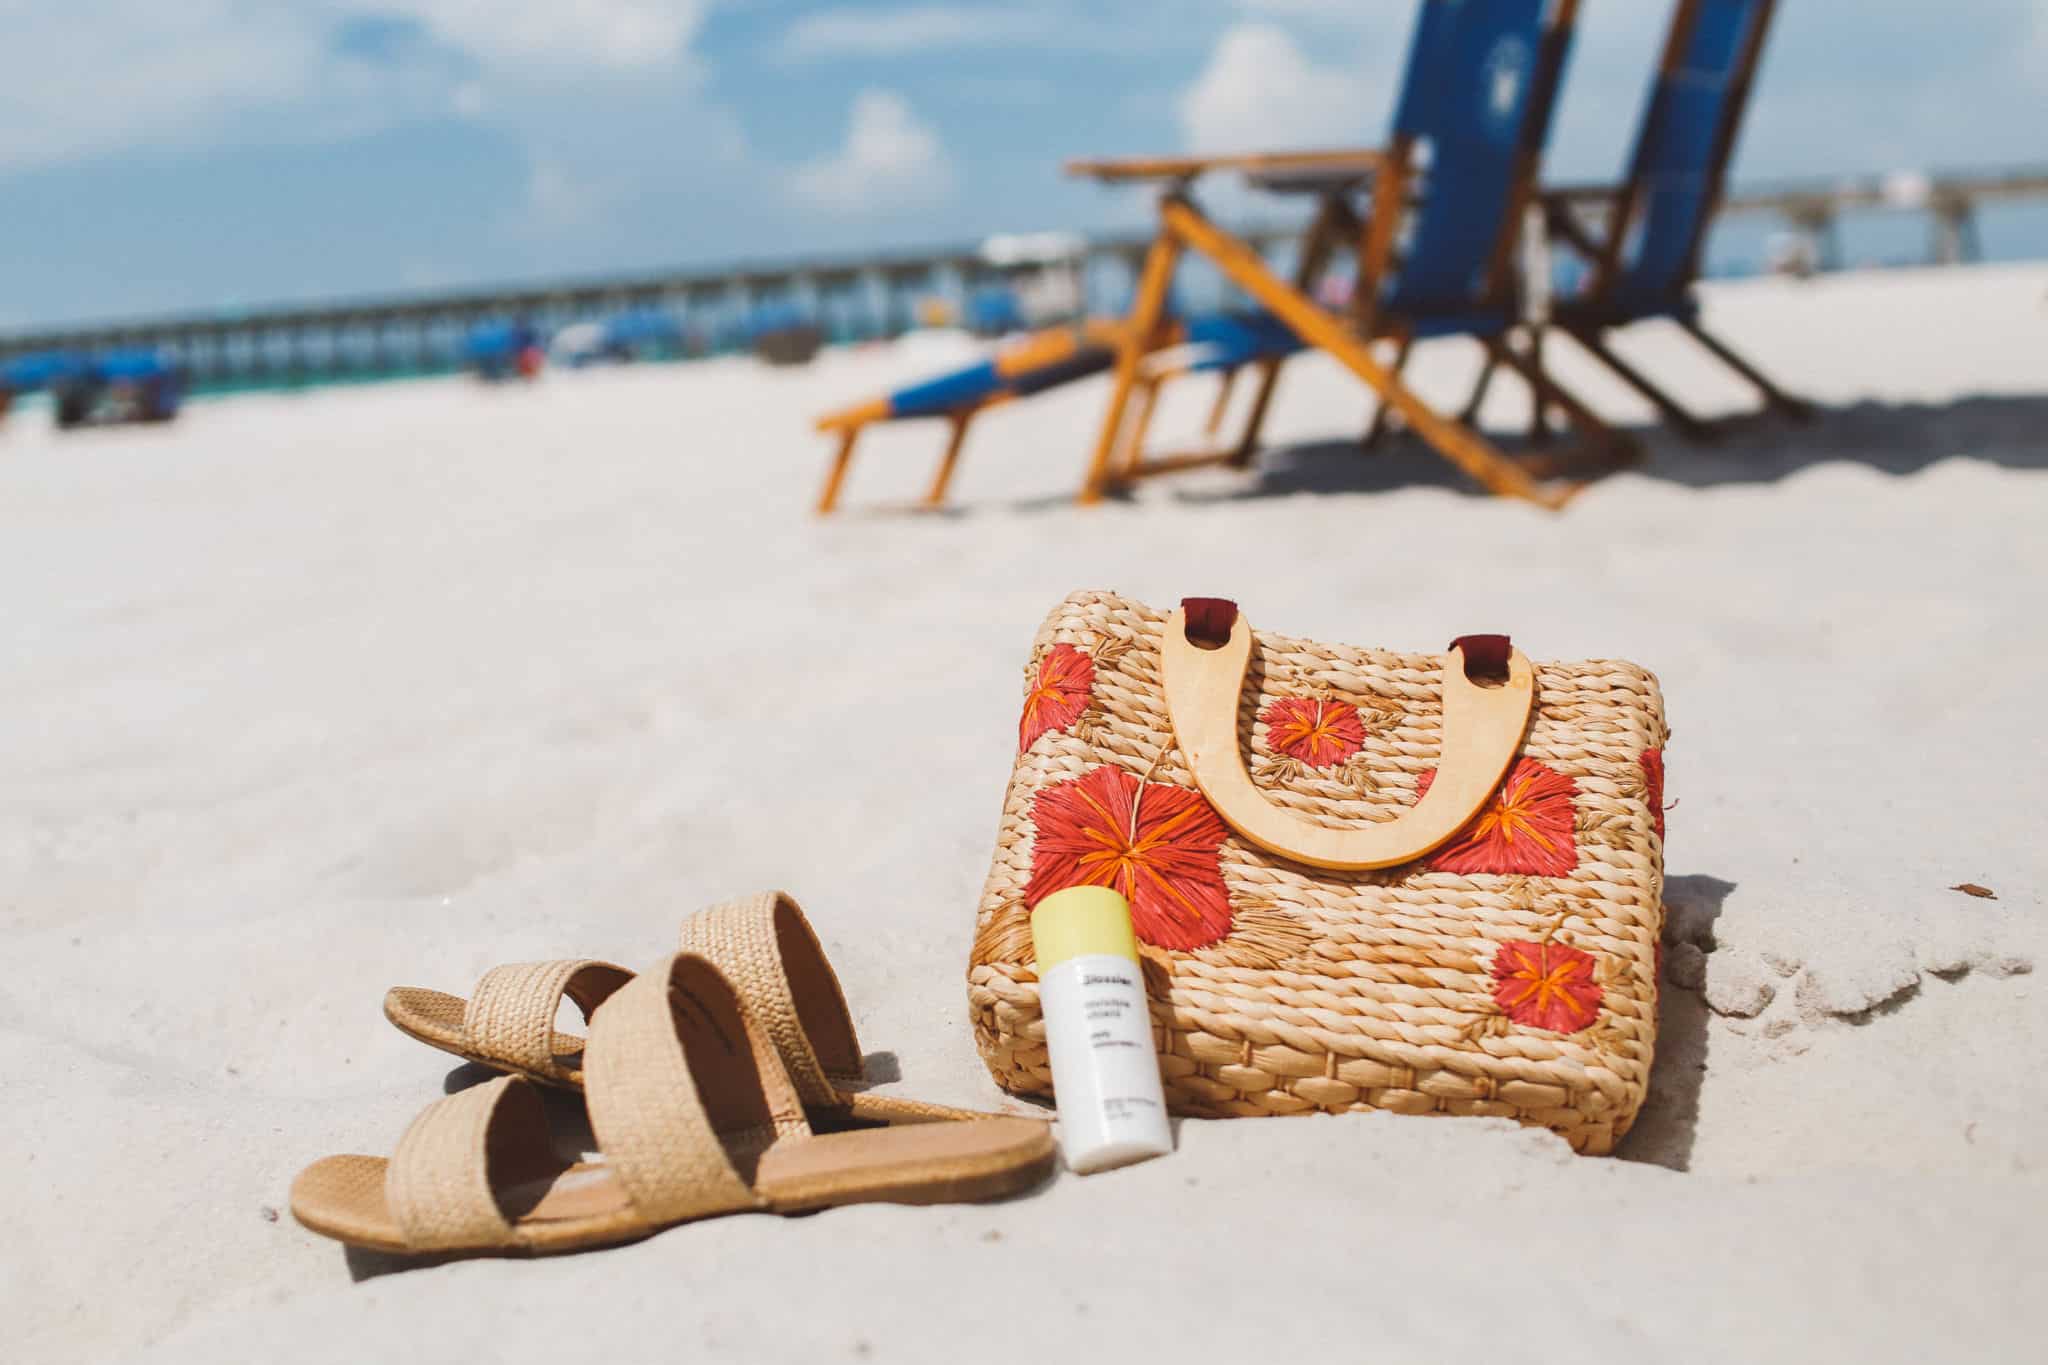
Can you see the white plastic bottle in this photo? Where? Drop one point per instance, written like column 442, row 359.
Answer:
column 1105, row 1074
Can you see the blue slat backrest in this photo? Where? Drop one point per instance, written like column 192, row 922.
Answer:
column 1475, row 95
column 1686, row 124
column 1433, row 24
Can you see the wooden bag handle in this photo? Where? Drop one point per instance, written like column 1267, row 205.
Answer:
column 1482, row 730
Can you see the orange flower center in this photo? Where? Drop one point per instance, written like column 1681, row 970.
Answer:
column 1306, row 731
column 1544, row 986
column 1509, row 818
column 1123, row 861
column 1056, row 685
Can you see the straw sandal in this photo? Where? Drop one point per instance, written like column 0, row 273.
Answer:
column 763, row 944
column 694, row 1116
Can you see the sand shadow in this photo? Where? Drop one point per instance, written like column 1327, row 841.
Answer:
column 1665, row 1126
column 364, row 1264
column 1893, row 438
column 467, row 1075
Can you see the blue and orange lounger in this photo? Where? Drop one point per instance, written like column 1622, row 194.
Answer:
column 1041, row 361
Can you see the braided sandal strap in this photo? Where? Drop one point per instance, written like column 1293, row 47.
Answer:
column 510, row 1017
column 685, row 1092
column 438, row 1183
column 770, row 953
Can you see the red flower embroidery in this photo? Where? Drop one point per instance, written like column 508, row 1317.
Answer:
column 1060, row 696
column 1653, row 781
column 1527, row 828
column 1319, row 733
column 1546, row 985
column 1157, row 848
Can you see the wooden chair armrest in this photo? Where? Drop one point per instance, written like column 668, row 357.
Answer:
column 1360, row 161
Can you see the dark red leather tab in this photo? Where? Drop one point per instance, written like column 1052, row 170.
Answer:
column 1486, row 656
column 1209, row 620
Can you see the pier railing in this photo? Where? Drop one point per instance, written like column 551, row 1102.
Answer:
column 853, row 299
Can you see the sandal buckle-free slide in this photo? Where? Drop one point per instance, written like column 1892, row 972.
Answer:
column 694, row 1116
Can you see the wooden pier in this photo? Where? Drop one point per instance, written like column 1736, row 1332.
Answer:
column 1950, row 203
column 851, row 299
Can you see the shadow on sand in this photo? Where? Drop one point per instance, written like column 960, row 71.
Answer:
column 1664, row 1127
column 1894, row 438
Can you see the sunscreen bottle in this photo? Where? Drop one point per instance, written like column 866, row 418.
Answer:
column 1105, row 1074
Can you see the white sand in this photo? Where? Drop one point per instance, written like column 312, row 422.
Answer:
column 309, row 696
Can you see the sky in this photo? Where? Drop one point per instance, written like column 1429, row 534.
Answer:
column 200, row 155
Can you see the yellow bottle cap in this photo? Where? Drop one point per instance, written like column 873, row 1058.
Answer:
column 1079, row 921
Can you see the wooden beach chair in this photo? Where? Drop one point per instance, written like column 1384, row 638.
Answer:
column 1039, row 362
column 1645, row 258
column 1433, row 221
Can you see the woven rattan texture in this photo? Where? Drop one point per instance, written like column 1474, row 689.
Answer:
column 653, row 1117
column 1354, row 991
column 743, row 938
column 511, row 1015
column 439, row 1182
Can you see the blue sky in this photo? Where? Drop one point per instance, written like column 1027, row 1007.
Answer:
column 204, row 154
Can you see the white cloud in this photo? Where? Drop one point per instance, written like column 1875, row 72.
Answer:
column 1327, row 11
column 557, row 34
column 90, row 77
column 918, row 29
column 104, row 73
column 1260, row 93
column 2035, row 49
column 556, row 201
column 889, row 160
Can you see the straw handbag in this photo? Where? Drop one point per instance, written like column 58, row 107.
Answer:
column 1426, row 883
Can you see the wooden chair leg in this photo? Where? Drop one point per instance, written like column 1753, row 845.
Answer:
column 1469, row 414
column 835, row 476
column 1539, row 418
column 1130, row 462
column 935, row 496
column 1614, row 446
column 1674, row 412
column 1255, row 420
column 1143, row 324
column 1222, row 403
column 1798, row 409
column 1376, row 430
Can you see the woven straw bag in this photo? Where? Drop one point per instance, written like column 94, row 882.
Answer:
column 1360, row 880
